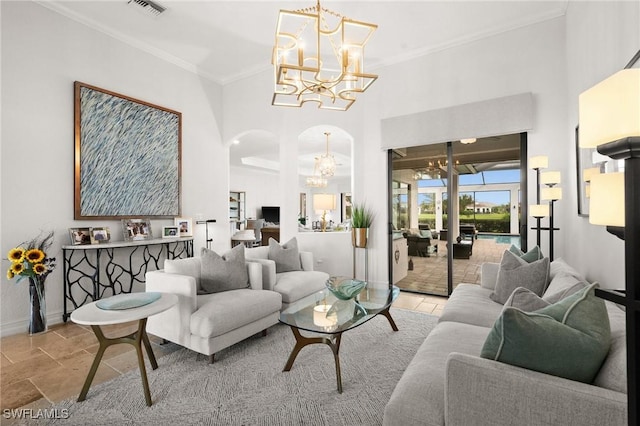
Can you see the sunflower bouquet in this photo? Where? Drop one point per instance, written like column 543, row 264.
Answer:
column 32, row 261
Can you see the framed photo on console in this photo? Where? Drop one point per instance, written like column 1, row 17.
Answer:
column 185, row 226
column 100, row 235
column 136, row 229
column 170, row 232
column 80, row 236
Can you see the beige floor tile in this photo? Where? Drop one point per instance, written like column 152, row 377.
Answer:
column 22, row 370
column 426, row 307
column 62, row 383
column 18, row 394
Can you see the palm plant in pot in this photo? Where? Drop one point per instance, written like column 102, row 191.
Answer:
column 361, row 220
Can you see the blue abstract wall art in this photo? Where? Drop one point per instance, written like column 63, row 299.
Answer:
column 127, row 157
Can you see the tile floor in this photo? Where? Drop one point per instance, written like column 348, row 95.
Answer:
column 38, row 371
column 429, row 274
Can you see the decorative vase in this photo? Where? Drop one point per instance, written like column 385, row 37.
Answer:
column 359, row 237
column 38, row 313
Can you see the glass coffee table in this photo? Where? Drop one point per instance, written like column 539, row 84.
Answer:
column 323, row 313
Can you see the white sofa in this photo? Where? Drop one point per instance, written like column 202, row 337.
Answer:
column 208, row 323
column 447, row 382
column 292, row 285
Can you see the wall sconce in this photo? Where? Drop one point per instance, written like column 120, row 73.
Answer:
column 609, row 115
column 324, row 202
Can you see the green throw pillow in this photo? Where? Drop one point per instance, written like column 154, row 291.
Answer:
column 569, row 339
column 530, row 256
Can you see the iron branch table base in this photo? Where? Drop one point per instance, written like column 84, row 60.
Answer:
column 333, row 341
column 94, row 270
column 137, row 339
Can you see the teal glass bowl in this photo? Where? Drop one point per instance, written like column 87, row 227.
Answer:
column 345, row 288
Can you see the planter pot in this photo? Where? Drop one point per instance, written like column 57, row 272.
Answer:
column 38, row 309
column 359, row 237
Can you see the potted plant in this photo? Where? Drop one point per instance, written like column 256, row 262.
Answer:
column 361, row 220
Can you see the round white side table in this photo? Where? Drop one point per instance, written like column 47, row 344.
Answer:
column 91, row 315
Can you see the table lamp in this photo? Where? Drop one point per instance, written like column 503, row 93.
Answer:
column 324, row 202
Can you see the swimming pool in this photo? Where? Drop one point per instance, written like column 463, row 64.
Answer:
column 501, row 239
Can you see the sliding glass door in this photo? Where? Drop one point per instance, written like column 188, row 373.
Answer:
column 455, row 206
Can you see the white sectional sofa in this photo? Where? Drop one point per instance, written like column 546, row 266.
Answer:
column 447, row 382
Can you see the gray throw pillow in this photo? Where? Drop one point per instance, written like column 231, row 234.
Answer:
column 286, row 256
column 515, row 272
column 556, row 296
column 530, row 256
column 222, row 273
column 525, row 300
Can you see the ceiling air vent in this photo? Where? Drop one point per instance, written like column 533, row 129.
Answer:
column 148, row 7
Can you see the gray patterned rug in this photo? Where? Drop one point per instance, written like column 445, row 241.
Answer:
column 246, row 385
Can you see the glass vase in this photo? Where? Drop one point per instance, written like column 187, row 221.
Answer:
column 38, row 309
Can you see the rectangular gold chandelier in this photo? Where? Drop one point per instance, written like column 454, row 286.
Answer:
column 319, row 57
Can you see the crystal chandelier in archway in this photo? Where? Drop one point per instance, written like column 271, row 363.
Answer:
column 319, row 57
column 327, row 162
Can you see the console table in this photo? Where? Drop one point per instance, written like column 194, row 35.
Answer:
column 93, row 271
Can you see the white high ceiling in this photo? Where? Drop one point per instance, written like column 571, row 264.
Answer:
column 227, row 40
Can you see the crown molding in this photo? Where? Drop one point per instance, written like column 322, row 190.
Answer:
column 471, row 38
column 375, row 64
column 95, row 25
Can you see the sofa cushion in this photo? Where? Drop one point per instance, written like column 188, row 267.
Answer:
column 418, row 398
column 189, row 266
column 470, row 304
column 220, row 313
column 568, row 339
column 613, row 373
column 530, row 256
column 295, row 285
column 515, row 272
column 223, row 273
column 525, row 300
column 286, row 256
column 559, row 266
column 561, row 286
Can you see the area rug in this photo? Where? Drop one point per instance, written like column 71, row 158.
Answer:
column 246, row 384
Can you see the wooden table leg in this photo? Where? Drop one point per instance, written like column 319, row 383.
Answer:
column 137, row 339
column 302, row 341
column 387, row 314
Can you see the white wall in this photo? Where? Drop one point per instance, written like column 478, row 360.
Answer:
column 601, row 39
column 43, row 53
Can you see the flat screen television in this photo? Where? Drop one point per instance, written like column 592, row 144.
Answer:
column 271, row 214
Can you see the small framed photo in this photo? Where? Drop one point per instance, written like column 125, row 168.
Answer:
column 80, row 236
column 136, row 229
column 170, row 232
column 100, row 235
column 185, row 226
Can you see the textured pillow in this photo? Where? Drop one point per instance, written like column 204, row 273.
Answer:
column 559, row 266
column 525, row 300
column 562, row 286
column 222, row 273
column 568, row 339
column 286, row 256
column 515, row 272
column 530, row 256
